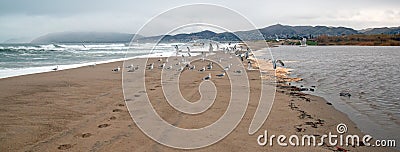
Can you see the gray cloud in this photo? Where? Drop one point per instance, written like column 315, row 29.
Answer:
column 20, row 18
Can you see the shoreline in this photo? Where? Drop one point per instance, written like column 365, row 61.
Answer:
column 45, row 69
column 83, row 109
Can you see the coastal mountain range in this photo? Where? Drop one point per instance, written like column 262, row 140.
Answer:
column 270, row 32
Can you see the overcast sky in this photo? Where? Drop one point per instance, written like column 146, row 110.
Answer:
column 33, row 18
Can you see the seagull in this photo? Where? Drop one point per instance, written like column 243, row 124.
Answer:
column 160, row 60
column 202, row 69
column 188, row 49
column 209, row 66
column 131, row 70
column 220, row 75
column 130, row 66
column 55, row 69
column 279, row 61
column 151, row 66
column 181, row 68
column 193, row 67
column 208, row 77
column 92, row 65
column 137, row 67
column 228, row 67
column 249, row 65
column 238, row 71
column 170, row 67
column 166, row 60
column 116, row 69
column 162, row 65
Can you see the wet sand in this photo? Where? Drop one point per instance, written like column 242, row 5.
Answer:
column 83, row 109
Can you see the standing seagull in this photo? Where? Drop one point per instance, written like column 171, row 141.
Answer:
column 116, row 69
column 208, row 77
column 249, row 65
column 55, row 69
column 202, row 69
column 227, row 67
column 193, row 67
column 181, row 68
column 151, row 66
column 209, row 66
column 130, row 66
column 162, row 65
column 279, row 61
column 220, row 75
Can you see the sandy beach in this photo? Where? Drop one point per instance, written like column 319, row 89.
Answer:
column 83, row 109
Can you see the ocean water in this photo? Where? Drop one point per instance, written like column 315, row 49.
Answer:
column 21, row 59
column 371, row 75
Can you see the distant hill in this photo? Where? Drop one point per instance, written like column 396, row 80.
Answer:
column 226, row 36
column 383, row 30
column 270, row 32
column 284, row 31
column 18, row 40
column 84, row 37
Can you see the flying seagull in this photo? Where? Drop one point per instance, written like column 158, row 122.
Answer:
column 279, row 61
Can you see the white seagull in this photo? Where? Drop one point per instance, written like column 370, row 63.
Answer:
column 162, row 65
column 55, row 69
column 227, row 67
column 193, row 67
column 208, row 77
column 130, row 66
column 202, row 69
column 116, row 69
column 220, row 75
column 151, row 66
column 181, row 68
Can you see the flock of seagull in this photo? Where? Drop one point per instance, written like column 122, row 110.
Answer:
column 242, row 56
column 133, row 68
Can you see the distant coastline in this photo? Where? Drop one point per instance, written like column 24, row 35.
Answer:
column 356, row 40
column 277, row 34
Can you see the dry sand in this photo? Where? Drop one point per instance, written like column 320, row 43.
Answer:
column 83, row 109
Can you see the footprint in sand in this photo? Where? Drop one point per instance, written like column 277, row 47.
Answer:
column 117, row 110
column 121, row 104
column 64, row 146
column 113, row 118
column 86, row 135
column 103, row 125
column 137, row 95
